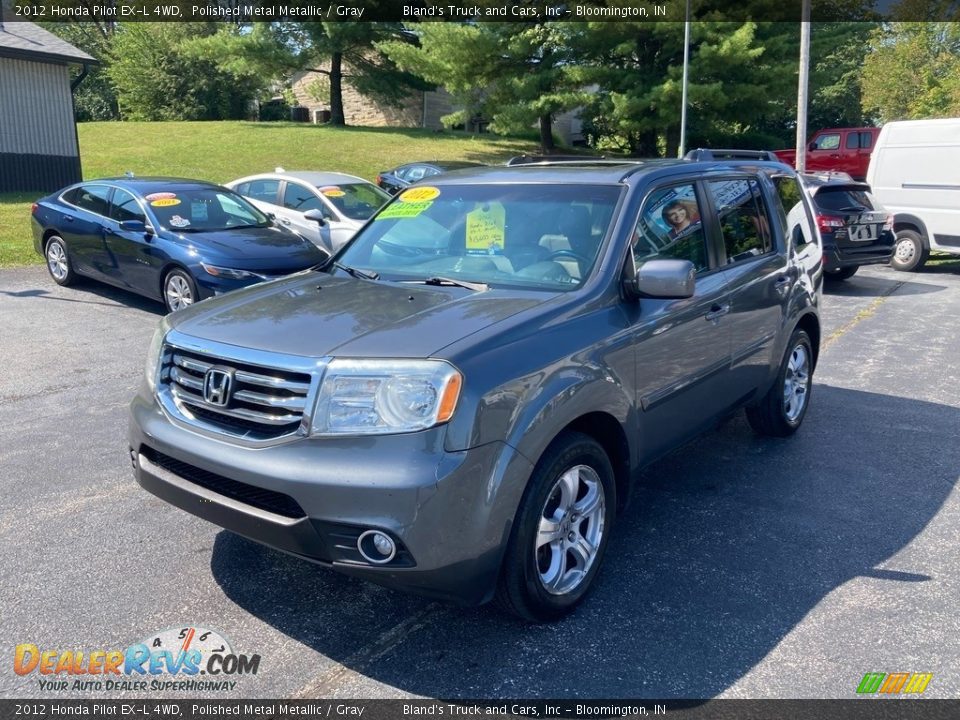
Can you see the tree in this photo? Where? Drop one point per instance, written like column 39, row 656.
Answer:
column 349, row 50
column 167, row 71
column 517, row 74
column 913, row 71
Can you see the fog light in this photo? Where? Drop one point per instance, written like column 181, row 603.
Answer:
column 376, row 547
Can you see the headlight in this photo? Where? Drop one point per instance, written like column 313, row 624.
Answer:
column 230, row 273
column 153, row 354
column 379, row 397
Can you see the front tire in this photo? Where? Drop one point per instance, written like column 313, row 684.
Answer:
column 58, row 261
column 782, row 409
column 179, row 290
column 561, row 531
column 910, row 253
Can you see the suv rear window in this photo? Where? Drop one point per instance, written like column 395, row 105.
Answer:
column 844, row 199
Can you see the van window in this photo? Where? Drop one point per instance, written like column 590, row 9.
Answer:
column 853, row 141
column 866, row 139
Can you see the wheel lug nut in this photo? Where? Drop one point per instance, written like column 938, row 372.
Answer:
column 571, row 537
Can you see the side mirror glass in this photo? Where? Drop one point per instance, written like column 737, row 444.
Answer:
column 315, row 215
column 812, row 146
column 668, row 279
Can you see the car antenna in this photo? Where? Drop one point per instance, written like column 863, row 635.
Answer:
column 279, row 169
column 129, row 174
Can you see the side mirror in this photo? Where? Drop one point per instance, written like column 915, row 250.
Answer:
column 668, row 279
column 812, row 146
column 137, row 226
column 316, row 216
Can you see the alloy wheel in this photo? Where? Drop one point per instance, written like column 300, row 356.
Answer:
column 796, row 381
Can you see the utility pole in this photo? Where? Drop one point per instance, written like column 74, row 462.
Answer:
column 686, row 67
column 801, row 161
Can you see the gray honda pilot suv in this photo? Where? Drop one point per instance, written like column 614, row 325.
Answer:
column 457, row 402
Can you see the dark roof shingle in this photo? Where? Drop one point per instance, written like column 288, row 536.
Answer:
column 29, row 41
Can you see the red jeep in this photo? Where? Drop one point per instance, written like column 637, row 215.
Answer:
column 838, row 149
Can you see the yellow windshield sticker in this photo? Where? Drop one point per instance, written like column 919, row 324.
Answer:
column 332, row 191
column 403, row 210
column 165, row 202
column 485, row 228
column 419, row 194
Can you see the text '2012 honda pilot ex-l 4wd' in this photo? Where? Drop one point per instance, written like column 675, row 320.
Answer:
column 455, row 404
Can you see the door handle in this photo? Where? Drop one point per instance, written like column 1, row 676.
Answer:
column 782, row 282
column 285, row 221
column 68, row 218
column 717, row 311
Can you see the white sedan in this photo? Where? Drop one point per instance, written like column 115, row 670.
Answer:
column 327, row 208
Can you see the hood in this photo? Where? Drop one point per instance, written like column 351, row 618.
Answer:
column 254, row 248
column 314, row 314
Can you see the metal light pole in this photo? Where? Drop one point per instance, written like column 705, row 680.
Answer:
column 801, row 161
column 686, row 73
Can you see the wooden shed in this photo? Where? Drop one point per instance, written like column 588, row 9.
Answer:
column 38, row 133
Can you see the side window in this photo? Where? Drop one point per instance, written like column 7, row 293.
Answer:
column 797, row 223
column 744, row 220
column 853, row 141
column 93, row 198
column 299, row 198
column 827, row 142
column 125, row 207
column 430, row 172
column 262, row 190
column 866, row 140
column 670, row 227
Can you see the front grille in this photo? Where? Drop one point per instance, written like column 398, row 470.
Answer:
column 274, row 502
column 262, row 403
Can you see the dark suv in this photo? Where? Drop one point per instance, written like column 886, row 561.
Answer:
column 854, row 228
column 456, row 404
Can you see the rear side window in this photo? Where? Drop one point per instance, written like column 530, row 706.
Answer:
column 796, row 220
column 262, row 190
column 853, row 141
column 866, row 139
column 125, row 207
column 841, row 199
column 744, row 220
column 93, row 198
column 670, row 227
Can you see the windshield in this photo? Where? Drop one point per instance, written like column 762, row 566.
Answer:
column 357, row 201
column 204, row 210
column 541, row 236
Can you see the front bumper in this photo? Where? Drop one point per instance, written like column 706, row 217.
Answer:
column 450, row 513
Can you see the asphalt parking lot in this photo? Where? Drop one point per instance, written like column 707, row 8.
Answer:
column 746, row 567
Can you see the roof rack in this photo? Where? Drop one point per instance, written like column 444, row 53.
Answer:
column 550, row 159
column 719, row 154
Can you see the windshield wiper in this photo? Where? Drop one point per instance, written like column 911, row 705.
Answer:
column 475, row 286
column 354, row 272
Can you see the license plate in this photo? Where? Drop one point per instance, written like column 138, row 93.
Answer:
column 863, row 233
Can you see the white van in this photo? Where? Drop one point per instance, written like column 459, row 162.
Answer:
column 915, row 173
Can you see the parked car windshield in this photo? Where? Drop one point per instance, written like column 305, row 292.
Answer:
column 204, row 210
column 541, row 236
column 357, row 201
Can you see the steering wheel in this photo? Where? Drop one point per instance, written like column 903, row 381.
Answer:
column 571, row 254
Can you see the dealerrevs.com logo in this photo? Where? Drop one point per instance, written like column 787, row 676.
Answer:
column 190, row 659
column 894, row 683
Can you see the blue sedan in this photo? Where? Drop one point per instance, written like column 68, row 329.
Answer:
column 177, row 241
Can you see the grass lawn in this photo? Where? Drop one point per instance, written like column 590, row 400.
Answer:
column 222, row 151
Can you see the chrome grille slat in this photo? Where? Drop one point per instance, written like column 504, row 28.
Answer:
column 273, row 382
column 290, row 403
column 264, row 403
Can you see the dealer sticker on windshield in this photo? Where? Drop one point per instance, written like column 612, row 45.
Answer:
column 419, row 194
column 403, row 210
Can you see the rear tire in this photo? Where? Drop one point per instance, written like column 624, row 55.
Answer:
column 561, row 531
column 58, row 261
column 910, row 252
column 842, row 274
column 783, row 408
